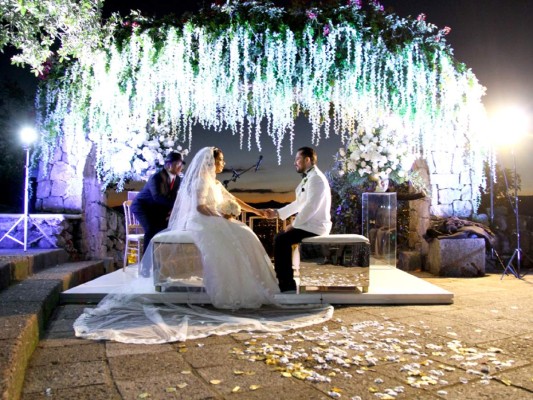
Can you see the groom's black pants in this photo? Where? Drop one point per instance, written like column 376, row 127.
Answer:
column 283, row 256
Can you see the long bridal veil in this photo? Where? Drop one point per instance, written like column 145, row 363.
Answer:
column 236, row 275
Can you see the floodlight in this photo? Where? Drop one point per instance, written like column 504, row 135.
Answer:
column 28, row 135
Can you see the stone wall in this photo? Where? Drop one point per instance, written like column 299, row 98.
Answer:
column 69, row 183
column 419, row 213
column 451, row 185
column 60, row 181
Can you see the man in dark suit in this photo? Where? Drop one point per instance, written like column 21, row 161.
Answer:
column 153, row 204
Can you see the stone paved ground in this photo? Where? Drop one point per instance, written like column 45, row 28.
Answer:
column 481, row 347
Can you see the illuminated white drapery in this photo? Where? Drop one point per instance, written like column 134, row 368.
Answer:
column 151, row 87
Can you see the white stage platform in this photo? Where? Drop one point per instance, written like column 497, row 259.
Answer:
column 388, row 285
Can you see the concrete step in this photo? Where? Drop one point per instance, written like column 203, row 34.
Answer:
column 22, row 264
column 25, row 308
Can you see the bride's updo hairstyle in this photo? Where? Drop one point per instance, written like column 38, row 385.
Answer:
column 216, row 153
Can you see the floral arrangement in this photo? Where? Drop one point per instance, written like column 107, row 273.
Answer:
column 138, row 158
column 375, row 156
column 229, row 209
column 243, row 63
column 150, row 154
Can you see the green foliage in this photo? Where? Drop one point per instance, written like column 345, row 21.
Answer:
column 37, row 27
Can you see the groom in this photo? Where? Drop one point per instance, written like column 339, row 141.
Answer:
column 312, row 205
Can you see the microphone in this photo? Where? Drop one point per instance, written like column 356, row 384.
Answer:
column 258, row 162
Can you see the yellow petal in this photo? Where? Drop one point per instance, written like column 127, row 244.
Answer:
column 254, row 387
column 170, row 389
column 182, row 385
column 235, row 389
column 286, row 374
column 238, row 372
column 144, row 395
column 506, row 382
column 187, row 372
column 215, row 381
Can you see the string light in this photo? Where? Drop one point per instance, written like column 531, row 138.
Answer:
column 241, row 76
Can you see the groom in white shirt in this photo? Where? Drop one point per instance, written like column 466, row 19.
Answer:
column 312, row 206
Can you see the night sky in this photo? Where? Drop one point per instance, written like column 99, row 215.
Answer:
column 492, row 37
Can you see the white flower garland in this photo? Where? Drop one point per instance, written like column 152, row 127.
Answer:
column 241, row 77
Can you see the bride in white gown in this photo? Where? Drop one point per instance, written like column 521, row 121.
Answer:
column 237, row 274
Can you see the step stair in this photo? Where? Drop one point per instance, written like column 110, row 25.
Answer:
column 30, row 288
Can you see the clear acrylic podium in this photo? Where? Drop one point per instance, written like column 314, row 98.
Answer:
column 379, row 226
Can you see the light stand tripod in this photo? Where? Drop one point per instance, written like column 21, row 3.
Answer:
column 25, row 218
column 518, row 250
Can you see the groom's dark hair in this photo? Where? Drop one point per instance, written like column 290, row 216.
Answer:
column 308, row 152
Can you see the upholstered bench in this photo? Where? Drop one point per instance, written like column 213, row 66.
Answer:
column 350, row 271
column 177, row 261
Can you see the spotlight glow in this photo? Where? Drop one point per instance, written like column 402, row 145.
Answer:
column 28, row 135
column 509, row 125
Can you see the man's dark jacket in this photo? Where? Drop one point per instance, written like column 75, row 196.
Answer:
column 154, row 203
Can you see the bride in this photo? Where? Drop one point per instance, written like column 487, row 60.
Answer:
column 237, row 275
column 237, row 272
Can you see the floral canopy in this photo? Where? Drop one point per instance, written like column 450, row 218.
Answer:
column 251, row 67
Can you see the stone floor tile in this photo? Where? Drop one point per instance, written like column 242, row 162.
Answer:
column 520, row 377
column 135, row 366
column 167, row 386
column 484, row 390
column 92, row 392
column 61, row 325
column 67, row 354
column 517, row 346
column 208, row 356
column 116, row 349
column 244, row 374
column 63, row 376
column 69, row 340
column 70, row 311
column 289, row 389
column 369, row 385
column 11, row 326
column 452, row 329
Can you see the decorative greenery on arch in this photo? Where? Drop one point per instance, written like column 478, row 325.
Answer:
column 349, row 68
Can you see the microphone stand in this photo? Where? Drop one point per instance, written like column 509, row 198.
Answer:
column 236, row 175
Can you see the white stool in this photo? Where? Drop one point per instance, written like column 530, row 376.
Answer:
column 358, row 257
column 175, row 258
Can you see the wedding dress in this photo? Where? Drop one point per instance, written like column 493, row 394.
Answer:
column 236, row 273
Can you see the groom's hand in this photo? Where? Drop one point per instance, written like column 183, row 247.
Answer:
column 270, row 213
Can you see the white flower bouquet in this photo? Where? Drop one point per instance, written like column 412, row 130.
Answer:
column 229, row 209
column 374, row 156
